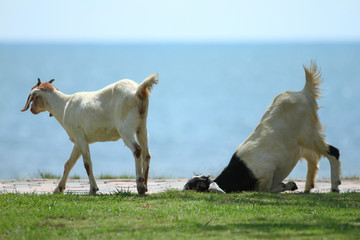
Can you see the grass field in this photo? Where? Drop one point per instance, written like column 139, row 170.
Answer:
column 180, row 215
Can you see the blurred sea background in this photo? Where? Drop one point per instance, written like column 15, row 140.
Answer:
column 209, row 99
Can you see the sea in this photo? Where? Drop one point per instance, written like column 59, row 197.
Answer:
column 209, row 99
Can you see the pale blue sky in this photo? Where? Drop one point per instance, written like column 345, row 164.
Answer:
column 185, row 20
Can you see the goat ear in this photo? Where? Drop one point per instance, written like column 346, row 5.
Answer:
column 51, row 81
column 33, row 94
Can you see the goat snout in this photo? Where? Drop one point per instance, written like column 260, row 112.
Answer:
column 33, row 109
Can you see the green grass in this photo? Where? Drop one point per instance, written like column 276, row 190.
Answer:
column 110, row 176
column 47, row 175
column 180, row 215
column 352, row 177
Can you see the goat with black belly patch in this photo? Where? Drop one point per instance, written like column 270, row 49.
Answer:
column 289, row 130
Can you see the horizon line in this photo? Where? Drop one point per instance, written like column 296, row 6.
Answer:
column 178, row 42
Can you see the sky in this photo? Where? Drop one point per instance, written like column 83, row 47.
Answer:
column 179, row 21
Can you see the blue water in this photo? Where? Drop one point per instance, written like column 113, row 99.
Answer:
column 209, row 99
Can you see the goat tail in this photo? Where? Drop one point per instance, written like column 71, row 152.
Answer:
column 143, row 92
column 313, row 80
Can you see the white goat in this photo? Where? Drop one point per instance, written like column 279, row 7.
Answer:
column 116, row 111
column 288, row 131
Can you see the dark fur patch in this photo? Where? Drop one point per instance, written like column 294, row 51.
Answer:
column 199, row 183
column 333, row 151
column 236, row 177
column 87, row 167
column 137, row 151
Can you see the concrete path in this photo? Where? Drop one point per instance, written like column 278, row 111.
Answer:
column 108, row 186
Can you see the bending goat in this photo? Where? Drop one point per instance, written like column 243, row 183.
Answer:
column 288, row 131
column 116, row 111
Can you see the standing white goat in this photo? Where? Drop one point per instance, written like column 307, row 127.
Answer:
column 116, row 111
column 288, row 131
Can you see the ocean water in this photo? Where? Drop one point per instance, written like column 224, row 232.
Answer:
column 209, row 99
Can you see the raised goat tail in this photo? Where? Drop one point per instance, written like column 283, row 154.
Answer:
column 143, row 92
column 313, row 80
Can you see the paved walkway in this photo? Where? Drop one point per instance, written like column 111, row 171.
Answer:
column 108, row 186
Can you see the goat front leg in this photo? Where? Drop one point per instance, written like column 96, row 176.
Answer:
column 85, row 152
column 75, row 154
column 282, row 187
column 333, row 155
column 267, row 184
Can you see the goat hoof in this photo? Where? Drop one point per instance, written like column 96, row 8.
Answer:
column 293, row 186
column 93, row 190
column 91, row 193
column 59, row 190
column 141, row 190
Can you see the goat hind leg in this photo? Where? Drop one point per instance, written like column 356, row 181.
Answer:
column 136, row 150
column 313, row 167
column 75, row 154
column 142, row 138
column 333, row 155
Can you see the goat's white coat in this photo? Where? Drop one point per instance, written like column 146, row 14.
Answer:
column 288, row 131
column 116, row 111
